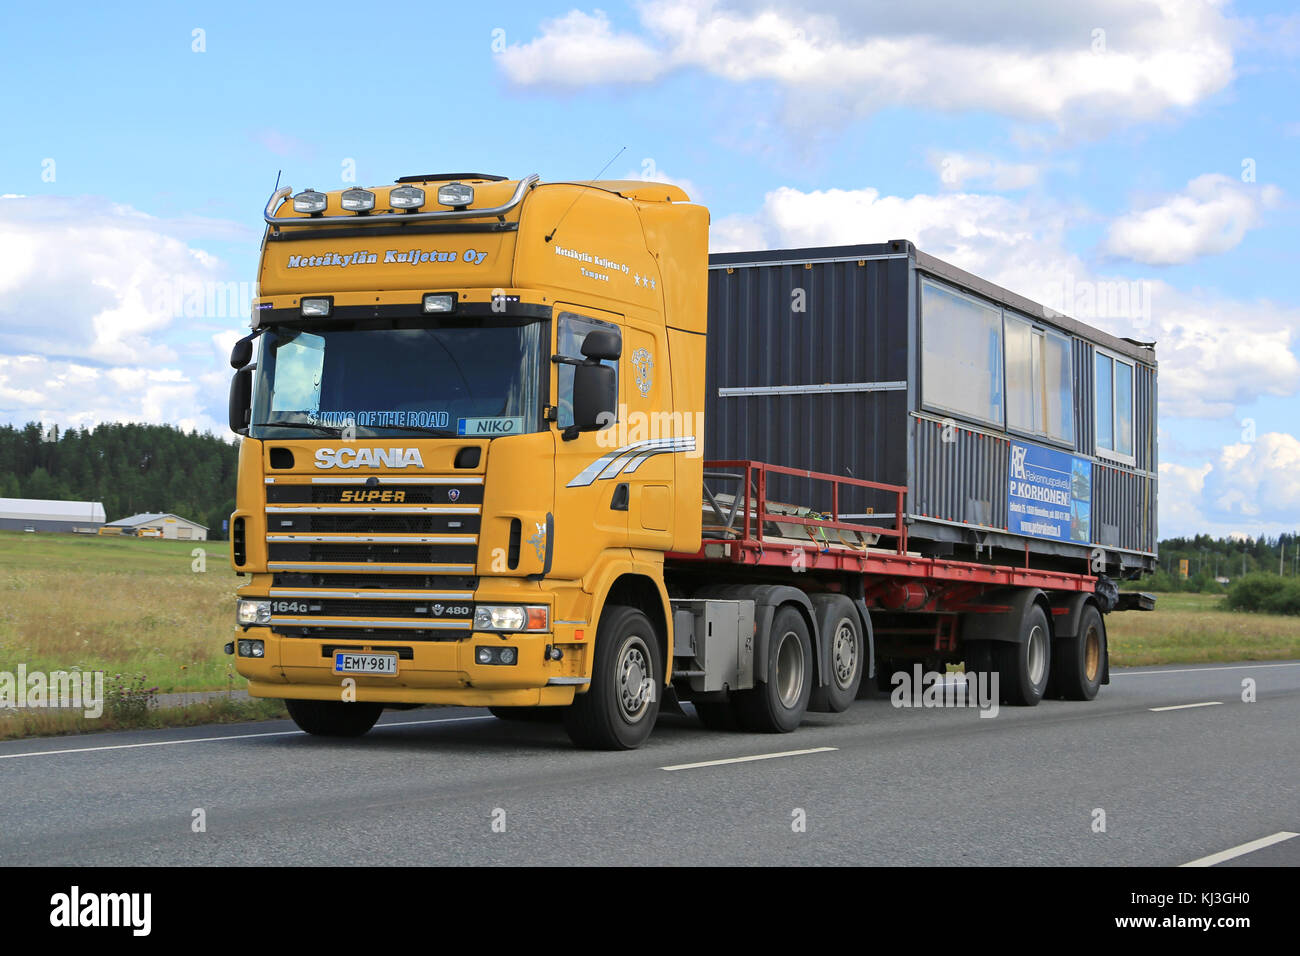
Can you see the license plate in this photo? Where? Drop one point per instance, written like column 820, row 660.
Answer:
column 353, row 663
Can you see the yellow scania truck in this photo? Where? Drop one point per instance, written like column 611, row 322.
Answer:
column 473, row 472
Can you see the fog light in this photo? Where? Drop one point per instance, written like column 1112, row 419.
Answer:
column 485, row 655
column 455, row 194
column 245, row 648
column 258, row 649
column 317, row 307
column 357, row 200
column 309, row 200
column 440, row 302
column 496, row 655
column 406, row 197
column 507, row 655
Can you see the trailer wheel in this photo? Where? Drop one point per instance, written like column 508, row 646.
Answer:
column 1077, row 666
column 333, row 718
column 777, row 705
column 532, row 715
column 1025, row 665
column 837, row 622
column 620, row 709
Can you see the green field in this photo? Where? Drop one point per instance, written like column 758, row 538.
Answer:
column 1190, row 628
column 120, row 605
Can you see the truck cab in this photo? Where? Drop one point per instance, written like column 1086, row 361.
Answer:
column 467, row 404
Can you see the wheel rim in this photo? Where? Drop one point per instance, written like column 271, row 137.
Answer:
column 1092, row 654
column 633, row 683
column 1037, row 645
column 789, row 669
column 844, row 655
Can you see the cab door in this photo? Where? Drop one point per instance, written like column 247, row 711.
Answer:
column 655, row 432
column 591, row 509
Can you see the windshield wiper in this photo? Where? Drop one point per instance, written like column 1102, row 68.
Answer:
column 438, row 432
column 328, row 429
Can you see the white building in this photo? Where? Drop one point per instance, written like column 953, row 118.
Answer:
column 161, row 526
column 43, row 514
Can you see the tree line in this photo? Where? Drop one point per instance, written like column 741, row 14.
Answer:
column 1209, row 560
column 132, row 469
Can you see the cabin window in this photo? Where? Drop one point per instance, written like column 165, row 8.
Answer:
column 961, row 354
column 1040, row 392
column 570, row 331
column 1114, row 381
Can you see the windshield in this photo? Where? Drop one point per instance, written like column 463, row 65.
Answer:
column 392, row 377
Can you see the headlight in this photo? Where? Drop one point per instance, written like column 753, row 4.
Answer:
column 254, row 612
column 357, row 200
column 455, row 194
column 316, row 307
column 406, row 197
column 309, row 200
column 511, row 617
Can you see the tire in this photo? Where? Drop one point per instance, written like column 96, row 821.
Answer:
column 777, row 705
column 330, row 718
column 1078, row 662
column 1025, row 665
column 838, row 624
column 529, row 715
column 614, row 713
column 717, row 715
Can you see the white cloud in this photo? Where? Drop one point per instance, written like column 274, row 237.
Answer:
column 92, row 296
column 960, row 170
column 70, row 394
column 1252, row 488
column 1211, row 216
column 1152, row 57
column 82, row 277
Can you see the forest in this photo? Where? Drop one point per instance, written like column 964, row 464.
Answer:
column 131, row 468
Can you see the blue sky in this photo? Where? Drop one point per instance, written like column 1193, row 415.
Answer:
column 1112, row 140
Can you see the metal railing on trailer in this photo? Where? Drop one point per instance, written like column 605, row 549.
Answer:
column 740, row 537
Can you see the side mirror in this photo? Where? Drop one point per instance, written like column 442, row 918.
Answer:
column 595, row 396
column 241, row 399
column 602, row 344
column 242, row 353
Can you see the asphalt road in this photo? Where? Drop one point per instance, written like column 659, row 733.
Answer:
column 894, row 786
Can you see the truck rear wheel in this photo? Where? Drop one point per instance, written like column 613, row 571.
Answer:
column 777, row 705
column 837, row 622
column 1078, row 661
column 619, row 710
column 1024, row 666
column 333, row 718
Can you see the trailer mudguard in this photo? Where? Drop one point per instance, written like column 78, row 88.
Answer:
column 1001, row 625
column 767, row 598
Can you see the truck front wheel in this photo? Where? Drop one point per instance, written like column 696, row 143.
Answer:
column 619, row 710
column 332, row 718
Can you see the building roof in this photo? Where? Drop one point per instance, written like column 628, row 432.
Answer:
column 45, row 509
column 137, row 520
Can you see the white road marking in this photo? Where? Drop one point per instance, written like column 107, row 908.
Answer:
column 1208, row 703
column 204, row 740
column 717, row 763
column 1242, row 850
column 1203, row 670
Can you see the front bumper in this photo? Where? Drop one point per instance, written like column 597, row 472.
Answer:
column 428, row 672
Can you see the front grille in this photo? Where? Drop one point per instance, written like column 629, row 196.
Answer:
column 342, row 607
column 381, row 494
column 372, row 523
column 372, row 553
column 370, row 635
column 385, row 582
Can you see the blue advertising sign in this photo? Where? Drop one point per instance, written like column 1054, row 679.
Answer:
column 1050, row 494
